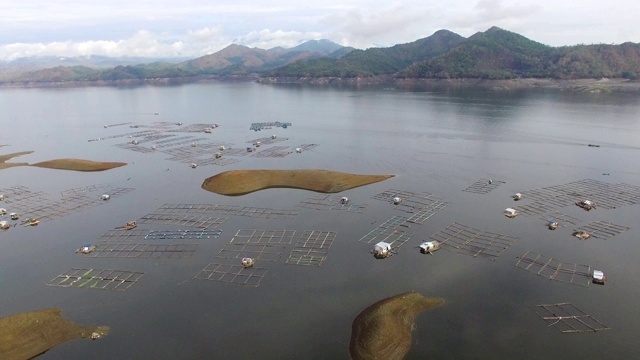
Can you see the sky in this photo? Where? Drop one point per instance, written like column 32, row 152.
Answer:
column 194, row 28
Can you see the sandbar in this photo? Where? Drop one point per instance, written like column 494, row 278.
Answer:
column 29, row 334
column 78, row 165
column 383, row 330
column 4, row 158
column 241, row 182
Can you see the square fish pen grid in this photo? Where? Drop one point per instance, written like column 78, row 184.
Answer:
column 156, row 235
column 268, row 140
column 473, row 242
column 331, row 202
column 561, row 218
column 535, row 208
column 189, row 220
column 193, row 128
column 267, row 125
column 411, row 202
column 232, row 273
column 553, row 269
column 393, row 231
column 605, row 195
column 312, row 248
column 143, row 251
column 274, row 151
column 567, row 318
column 306, row 147
column 266, row 213
column 119, row 280
column 425, row 213
column 483, row 186
column 254, row 236
column 85, row 189
column 602, row 229
column 136, row 148
column 223, row 161
column 120, row 235
column 176, row 141
column 130, row 134
column 268, row 252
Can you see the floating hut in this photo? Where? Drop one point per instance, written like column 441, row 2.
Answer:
column 586, row 204
column 249, row 149
column 396, row 200
column 552, row 224
column 86, row 249
column 4, row 225
column 344, row 200
column 31, row 222
column 273, row 136
column 257, row 144
column 598, row 277
column 135, row 142
column 130, row 225
column 153, row 147
column 179, row 123
column 14, row 216
column 298, row 150
column 207, row 130
column 429, row 247
column 1, row 197
column 218, row 155
column 223, row 148
column 247, row 262
column 517, row 196
column 193, row 144
column 105, row 197
column 382, row 250
column 194, row 165
column 581, row 234
column 510, row 213
column 3, row 211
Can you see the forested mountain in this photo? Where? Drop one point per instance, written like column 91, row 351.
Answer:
column 492, row 54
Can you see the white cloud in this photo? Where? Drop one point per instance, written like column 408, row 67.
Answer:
column 267, row 39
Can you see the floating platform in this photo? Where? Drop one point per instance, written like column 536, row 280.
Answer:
column 331, row 202
column 230, row 210
column 561, row 219
column 118, row 280
column 266, row 125
column 483, row 186
column 473, row 242
column 193, row 128
column 312, row 248
column 394, row 231
column 606, row 195
column 567, row 318
column 553, row 269
column 602, row 230
column 273, row 152
column 256, row 236
column 143, row 251
column 123, row 235
column 156, row 235
column 257, row 251
column 232, row 273
column 188, row 220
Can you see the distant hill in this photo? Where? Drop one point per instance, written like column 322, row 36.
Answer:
column 492, row 54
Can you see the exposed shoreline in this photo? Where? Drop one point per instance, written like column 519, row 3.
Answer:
column 588, row 85
column 60, row 164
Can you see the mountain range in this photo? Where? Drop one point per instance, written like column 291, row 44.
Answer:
column 492, row 54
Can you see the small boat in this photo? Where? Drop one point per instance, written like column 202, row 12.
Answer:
column 207, row 130
column 14, row 216
column 396, row 200
column 4, row 225
column 510, row 213
column 105, row 197
column 194, row 165
column 517, row 196
column 218, row 155
column 257, row 144
column 193, row 144
column 249, row 149
column 298, row 150
column 86, row 249
column 586, row 204
column 598, row 277
column 135, row 142
column 247, row 262
column 223, row 148
column 1, row 197
column 344, row 200
column 581, row 234
column 429, row 247
column 31, row 222
column 130, row 225
column 552, row 225
column 273, row 136
column 153, row 147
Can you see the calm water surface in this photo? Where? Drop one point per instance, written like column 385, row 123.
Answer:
column 438, row 142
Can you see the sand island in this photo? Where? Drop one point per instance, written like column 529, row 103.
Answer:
column 78, row 165
column 29, row 334
column 4, row 158
column 241, row 182
column 383, row 330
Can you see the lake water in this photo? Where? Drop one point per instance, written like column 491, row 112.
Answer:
column 438, row 142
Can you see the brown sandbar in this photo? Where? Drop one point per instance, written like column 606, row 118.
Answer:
column 241, row 182
column 383, row 330
column 4, row 158
column 78, row 165
column 29, row 334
